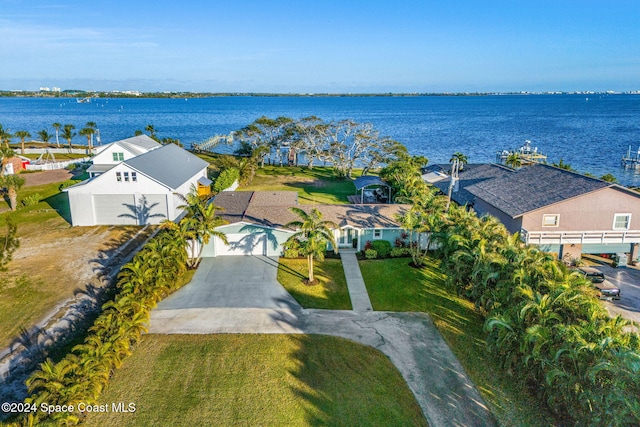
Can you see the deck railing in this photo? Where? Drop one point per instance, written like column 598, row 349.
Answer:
column 579, row 237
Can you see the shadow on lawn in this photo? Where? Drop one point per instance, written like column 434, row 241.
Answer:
column 68, row 326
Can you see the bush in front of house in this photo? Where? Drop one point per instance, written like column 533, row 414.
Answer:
column 399, row 252
column 371, row 254
column 382, row 247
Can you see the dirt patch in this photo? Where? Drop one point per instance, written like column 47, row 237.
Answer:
column 46, row 177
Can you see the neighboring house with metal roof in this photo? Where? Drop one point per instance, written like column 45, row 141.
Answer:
column 138, row 191
column 562, row 211
column 257, row 222
column 107, row 156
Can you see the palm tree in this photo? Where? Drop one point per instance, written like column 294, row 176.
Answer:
column 151, row 130
column 44, row 135
column 22, row 134
column 68, row 134
column 513, row 160
column 94, row 126
column 57, row 127
column 88, row 132
column 462, row 159
column 5, row 136
column 313, row 235
column 12, row 183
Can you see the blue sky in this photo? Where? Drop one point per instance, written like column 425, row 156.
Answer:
column 321, row 46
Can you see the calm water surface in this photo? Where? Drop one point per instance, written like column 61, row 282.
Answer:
column 590, row 133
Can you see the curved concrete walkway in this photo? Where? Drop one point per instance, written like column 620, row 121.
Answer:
column 410, row 340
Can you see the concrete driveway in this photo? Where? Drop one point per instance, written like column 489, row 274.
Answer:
column 628, row 280
column 241, row 294
column 232, row 282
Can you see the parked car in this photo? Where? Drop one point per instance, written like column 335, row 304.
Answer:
column 606, row 289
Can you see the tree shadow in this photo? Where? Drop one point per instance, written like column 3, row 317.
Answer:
column 141, row 213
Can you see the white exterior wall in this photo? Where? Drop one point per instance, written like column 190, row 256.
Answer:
column 81, row 198
column 82, row 203
column 105, row 157
column 174, row 201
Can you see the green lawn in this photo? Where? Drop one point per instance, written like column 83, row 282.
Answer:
column 258, row 380
column 313, row 186
column 394, row 286
column 331, row 293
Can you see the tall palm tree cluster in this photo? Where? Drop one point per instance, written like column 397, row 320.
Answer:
column 544, row 323
column 152, row 274
column 68, row 133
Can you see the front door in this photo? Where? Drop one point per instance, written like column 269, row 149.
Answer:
column 346, row 237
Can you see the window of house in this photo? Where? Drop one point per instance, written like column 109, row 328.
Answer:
column 118, row 157
column 118, row 176
column 550, row 220
column 621, row 221
column 126, row 177
column 377, row 234
column 134, row 176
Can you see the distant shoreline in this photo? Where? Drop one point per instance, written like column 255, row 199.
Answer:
column 135, row 94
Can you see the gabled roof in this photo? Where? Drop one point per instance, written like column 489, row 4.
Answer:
column 533, row 187
column 136, row 145
column 169, row 165
column 233, row 204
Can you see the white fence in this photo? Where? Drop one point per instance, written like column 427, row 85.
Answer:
column 232, row 187
column 56, row 165
column 54, row 150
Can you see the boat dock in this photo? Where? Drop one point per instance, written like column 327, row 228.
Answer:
column 631, row 162
column 526, row 153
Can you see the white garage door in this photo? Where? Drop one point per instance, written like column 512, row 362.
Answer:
column 113, row 209
column 127, row 209
column 242, row 244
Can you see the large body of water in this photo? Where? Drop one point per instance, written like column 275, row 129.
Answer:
column 591, row 133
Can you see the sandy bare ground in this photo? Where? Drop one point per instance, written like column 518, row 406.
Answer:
column 46, row 177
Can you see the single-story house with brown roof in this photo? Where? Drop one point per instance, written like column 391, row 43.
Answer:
column 257, row 222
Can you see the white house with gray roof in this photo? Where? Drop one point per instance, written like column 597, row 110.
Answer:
column 138, row 191
column 111, row 154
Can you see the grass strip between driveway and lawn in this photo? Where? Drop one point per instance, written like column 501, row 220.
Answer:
column 331, row 293
column 251, row 380
column 395, row 286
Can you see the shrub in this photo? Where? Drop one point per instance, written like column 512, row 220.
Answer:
column 68, row 184
column 371, row 254
column 226, row 178
column 382, row 247
column 291, row 248
column 367, row 245
column 399, row 252
column 31, row 200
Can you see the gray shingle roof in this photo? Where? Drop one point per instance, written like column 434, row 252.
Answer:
column 169, row 164
column 470, row 175
column 233, row 203
column 533, row 187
